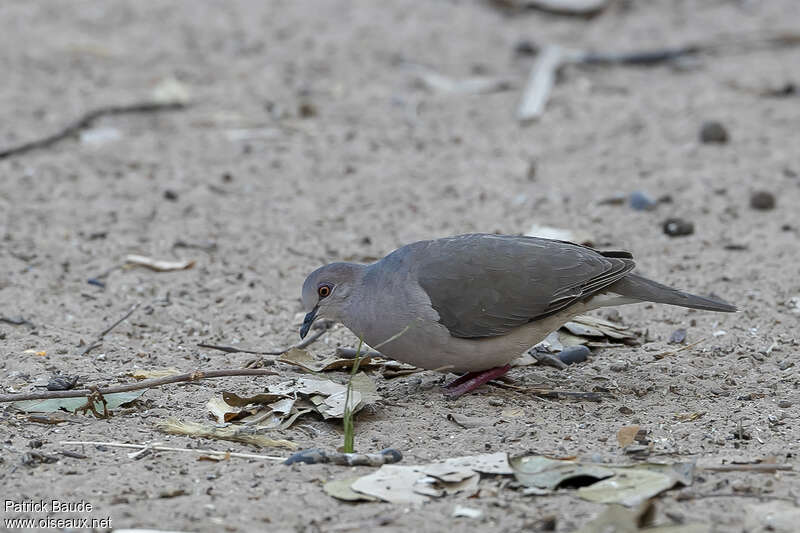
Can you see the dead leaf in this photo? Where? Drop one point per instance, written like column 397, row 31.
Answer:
column 487, row 463
column 156, row 264
column 246, row 434
column 688, row 417
column 391, row 483
column 235, row 400
column 51, row 405
column 223, row 412
column 155, row 373
column 620, row 519
column 341, row 490
column 548, row 473
column 626, row 435
column 630, row 487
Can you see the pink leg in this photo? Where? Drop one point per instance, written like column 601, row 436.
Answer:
column 472, row 380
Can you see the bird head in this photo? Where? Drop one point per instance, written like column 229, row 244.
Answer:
column 325, row 292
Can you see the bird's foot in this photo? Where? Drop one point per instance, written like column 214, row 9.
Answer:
column 472, row 380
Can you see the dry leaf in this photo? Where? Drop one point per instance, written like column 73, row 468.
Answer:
column 246, row 434
column 630, row 487
column 391, row 483
column 688, row 417
column 113, row 400
column 626, row 435
column 156, row 373
column 340, row 489
column 548, row 473
column 156, row 264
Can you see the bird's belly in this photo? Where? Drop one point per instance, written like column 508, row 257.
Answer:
column 431, row 346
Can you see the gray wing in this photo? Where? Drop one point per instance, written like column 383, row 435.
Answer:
column 485, row 285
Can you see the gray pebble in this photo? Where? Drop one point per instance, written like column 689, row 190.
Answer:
column 677, row 227
column 678, row 336
column 574, row 354
column 641, row 201
column 762, row 200
column 784, row 404
column 619, row 366
column 713, row 132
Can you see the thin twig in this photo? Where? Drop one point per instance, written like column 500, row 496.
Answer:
column 171, row 449
column 760, row 467
column 683, row 498
column 146, row 384
column 662, row 355
column 325, row 326
column 15, row 321
column 86, row 122
column 97, row 342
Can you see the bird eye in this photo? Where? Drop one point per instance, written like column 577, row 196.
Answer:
column 324, row 291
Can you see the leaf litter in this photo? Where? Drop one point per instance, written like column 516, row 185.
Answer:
column 247, row 418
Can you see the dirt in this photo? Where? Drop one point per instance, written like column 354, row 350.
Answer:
column 347, row 159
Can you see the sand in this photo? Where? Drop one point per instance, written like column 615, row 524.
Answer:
column 308, row 141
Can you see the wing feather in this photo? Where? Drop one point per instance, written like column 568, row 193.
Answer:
column 485, row 285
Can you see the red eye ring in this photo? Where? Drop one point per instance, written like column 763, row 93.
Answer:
column 324, row 291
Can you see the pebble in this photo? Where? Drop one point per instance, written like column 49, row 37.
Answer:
column 713, row 132
column 762, row 200
column 677, row 227
column 641, row 201
column 574, row 354
column 678, row 336
column 619, row 366
column 784, row 404
column 170, row 195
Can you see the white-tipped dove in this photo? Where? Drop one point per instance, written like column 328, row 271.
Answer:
column 473, row 303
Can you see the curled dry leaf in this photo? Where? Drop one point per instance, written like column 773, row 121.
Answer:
column 626, row 484
column 419, row 483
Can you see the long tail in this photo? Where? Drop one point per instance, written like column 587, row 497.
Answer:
column 643, row 289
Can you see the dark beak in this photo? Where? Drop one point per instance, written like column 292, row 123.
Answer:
column 307, row 321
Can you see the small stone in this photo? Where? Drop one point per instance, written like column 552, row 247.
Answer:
column 170, row 195
column 641, row 201
column 762, row 200
column 619, row 366
column 678, row 336
column 787, row 363
column 526, row 48
column 713, row 132
column 677, row 227
column 307, row 110
column 574, row 354
column 784, row 404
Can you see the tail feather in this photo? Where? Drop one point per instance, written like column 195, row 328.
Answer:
column 643, row 289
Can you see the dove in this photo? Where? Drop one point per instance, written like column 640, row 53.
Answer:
column 473, row 303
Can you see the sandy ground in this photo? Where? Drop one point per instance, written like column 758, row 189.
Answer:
column 347, row 158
